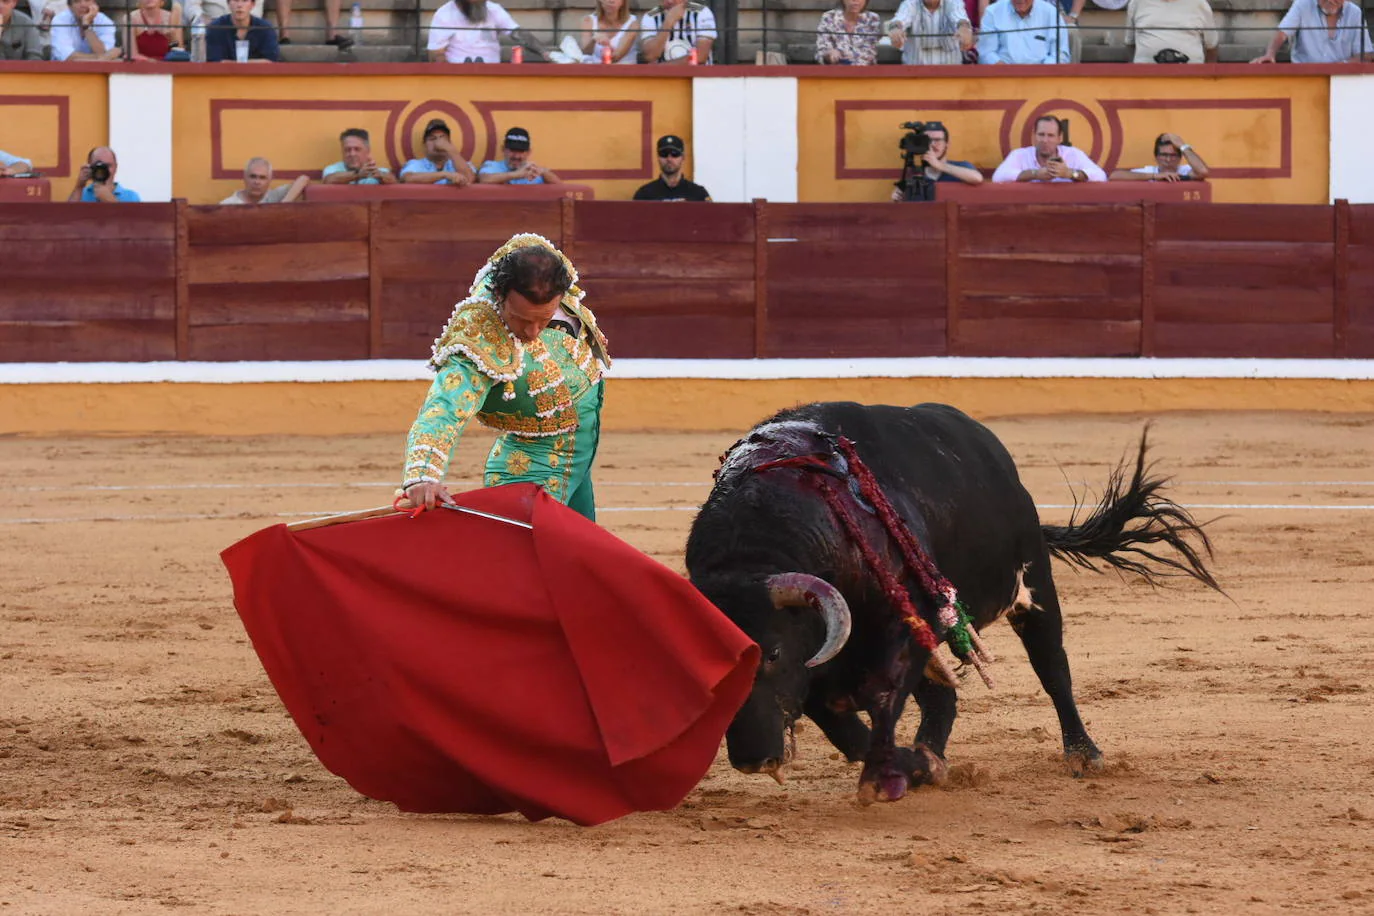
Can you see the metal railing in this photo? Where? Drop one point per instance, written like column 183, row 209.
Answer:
column 792, row 42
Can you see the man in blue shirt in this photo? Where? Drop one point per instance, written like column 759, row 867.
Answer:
column 259, row 40
column 357, row 165
column 442, row 163
column 96, row 181
column 516, row 168
column 1023, row 32
column 1323, row 32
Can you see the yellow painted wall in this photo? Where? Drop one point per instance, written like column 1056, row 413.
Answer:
column 40, row 114
column 1234, row 122
column 576, row 124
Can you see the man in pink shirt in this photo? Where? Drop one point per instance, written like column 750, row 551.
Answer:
column 1048, row 160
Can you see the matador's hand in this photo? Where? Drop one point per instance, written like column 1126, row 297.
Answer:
column 424, row 495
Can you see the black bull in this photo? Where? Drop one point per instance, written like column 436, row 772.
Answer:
column 784, row 565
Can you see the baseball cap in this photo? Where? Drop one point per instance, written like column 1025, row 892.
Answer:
column 517, row 138
column 672, row 143
column 437, row 124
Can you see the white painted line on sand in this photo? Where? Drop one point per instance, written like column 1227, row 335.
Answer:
column 604, row 510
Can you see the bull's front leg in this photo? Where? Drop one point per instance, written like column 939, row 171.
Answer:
column 885, row 775
column 842, row 725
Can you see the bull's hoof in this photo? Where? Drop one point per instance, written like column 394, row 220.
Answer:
column 888, row 786
column 1084, row 762
column 922, row 766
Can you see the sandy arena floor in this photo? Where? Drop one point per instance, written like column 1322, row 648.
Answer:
column 147, row 764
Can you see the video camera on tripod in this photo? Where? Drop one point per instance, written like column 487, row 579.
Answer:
column 914, row 144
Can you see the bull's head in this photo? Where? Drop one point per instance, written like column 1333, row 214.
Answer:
column 789, row 616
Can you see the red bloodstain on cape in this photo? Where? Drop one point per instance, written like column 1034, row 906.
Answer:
column 449, row 663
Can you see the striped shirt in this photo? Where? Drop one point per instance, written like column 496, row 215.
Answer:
column 697, row 23
column 930, row 34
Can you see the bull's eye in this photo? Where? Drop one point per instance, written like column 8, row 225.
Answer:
column 774, row 654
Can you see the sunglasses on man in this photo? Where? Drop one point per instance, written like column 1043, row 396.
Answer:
column 670, row 154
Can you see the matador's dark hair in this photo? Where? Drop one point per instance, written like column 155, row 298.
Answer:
column 534, row 272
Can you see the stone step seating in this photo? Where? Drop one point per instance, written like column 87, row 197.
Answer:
column 392, row 26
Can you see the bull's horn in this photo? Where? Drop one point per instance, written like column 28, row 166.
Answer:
column 797, row 589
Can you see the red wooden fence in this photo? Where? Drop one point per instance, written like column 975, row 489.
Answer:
column 378, row 279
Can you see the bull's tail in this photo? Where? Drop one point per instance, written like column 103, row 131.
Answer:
column 1130, row 525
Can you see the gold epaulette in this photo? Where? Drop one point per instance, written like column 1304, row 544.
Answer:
column 572, row 304
column 477, row 332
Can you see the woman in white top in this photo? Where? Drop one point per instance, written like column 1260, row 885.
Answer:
column 612, row 26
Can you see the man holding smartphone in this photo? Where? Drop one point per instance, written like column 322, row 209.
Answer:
column 1049, row 159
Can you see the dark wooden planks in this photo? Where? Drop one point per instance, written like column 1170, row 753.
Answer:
column 88, row 282
column 278, row 282
column 855, row 281
column 1048, row 280
column 1235, row 280
column 1359, row 282
column 670, row 280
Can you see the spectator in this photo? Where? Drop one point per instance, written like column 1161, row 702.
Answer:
column 1023, row 32
column 208, row 11
column 1170, row 153
column 516, row 167
column 1050, row 159
column 931, row 31
column 610, row 26
column 357, row 165
column 672, row 30
column 468, row 32
column 241, row 37
column 257, row 177
column 937, row 168
column 1323, row 32
column 670, row 185
column 331, row 24
column 11, row 166
column 82, row 32
column 849, row 34
column 19, row 35
column 157, row 29
column 442, row 164
column 95, row 183
column 1171, row 31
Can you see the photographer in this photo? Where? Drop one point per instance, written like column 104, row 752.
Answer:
column 928, row 142
column 96, row 181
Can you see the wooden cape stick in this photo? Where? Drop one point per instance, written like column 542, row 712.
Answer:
column 382, row 511
column 343, row 517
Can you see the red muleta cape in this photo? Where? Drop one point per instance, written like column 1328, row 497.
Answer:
column 449, row 663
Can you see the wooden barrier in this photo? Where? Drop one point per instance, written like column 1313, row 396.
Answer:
column 25, row 190
column 354, row 193
column 378, row 278
column 88, row 282
column 1065, row 192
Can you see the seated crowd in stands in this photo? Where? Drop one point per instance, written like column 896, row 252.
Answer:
column 1046, row 32
column 930, row 32
column 1050, row 158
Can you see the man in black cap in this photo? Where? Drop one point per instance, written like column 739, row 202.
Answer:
column 442, row 164
column 670, row 185
column 516, row 167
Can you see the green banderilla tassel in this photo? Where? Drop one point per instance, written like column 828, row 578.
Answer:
column 958, row 635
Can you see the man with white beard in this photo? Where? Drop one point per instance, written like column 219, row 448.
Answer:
column 469, row 32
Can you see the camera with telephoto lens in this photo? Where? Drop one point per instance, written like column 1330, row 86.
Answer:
column 915, row 142
column 100, row 172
